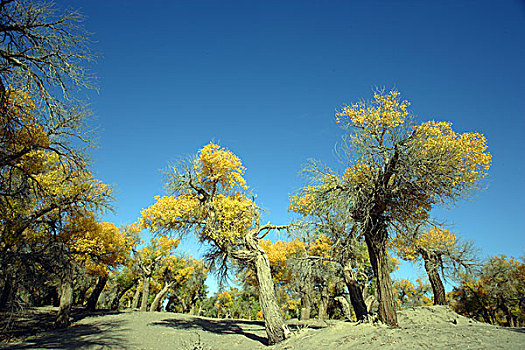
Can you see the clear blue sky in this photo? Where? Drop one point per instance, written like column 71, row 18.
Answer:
column 263, row 78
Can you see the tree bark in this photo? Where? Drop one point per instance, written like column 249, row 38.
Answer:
column 379, row 260
column 432, row 265
column 136, row 298
column 66, row 301
column 145, row 294
column 355, row 292
column 155, row 306
column 93, row 298
column 306, row 299
column 273, row 321
column 323, row 302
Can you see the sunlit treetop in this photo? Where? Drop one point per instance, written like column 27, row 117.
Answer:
column 383, row 113
column 218, row 168
column 436, row 239
column 98, row 246
column 403, row 167
column 234, row 215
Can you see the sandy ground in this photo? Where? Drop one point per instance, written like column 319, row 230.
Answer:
column 420, row 328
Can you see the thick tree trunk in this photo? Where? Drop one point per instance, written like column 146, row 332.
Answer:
column 432, row 265
column 379, row 261
column 93, row 298
column 145, row 294
column 273, row 321
column 136, row 298
column 355, row 292
column 66, row 301
column 323, row 302
column 155, row 306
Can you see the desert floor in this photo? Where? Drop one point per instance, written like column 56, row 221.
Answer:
column 433, row 327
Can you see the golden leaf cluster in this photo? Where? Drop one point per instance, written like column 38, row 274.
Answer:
column 436, row 239
column 218, row 166
column 384, row 112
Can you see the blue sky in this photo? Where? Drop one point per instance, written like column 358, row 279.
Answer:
column 263, row 78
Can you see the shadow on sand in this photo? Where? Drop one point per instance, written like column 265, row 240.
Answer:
column 249, row 329
column 104, row 334
column 37, row 329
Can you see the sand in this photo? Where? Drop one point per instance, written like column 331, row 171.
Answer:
column 435, row 327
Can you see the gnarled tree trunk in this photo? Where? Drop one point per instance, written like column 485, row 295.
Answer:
column 66, row 301
column 355, row 292
column 93, row 298
column 155, row 306
column 145, row 294
column 432, row 265
column 273, row 321
column 376, row 243
column 136, row 298
column 323, row 302
column 306, row 299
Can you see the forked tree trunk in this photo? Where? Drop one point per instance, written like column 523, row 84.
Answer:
column 66, row 301
column 323, row 302
column 432, row 265
column 155, row 306
column 145, row 294
column 93, row 298
column 355, row 292
column 136, row 298
column 379, row 261
column 273, row 321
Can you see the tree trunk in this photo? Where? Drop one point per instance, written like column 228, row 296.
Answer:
column 345, row 307
column 155, row 306
column 120, row 294
column 136, row 298
column 306, row 299
column 323, row 302
column 6, row 292
column 93, row 298
column 432, row 265
column 355, row 292
column 379, row 260
column 145, row 294
column 273, row 321
column 66, row 301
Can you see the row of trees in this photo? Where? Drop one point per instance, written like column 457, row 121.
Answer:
column 395, row 172
column 49, row 200
column 53, row 246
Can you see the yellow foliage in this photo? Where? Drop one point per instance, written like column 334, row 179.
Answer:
column 278, row 253
column 99, row 246
column 302, row 204
column 465, row 157
column 219, row 166
column 321, row 247
column 435, row 239
column 226, row 214
column 384, row 112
